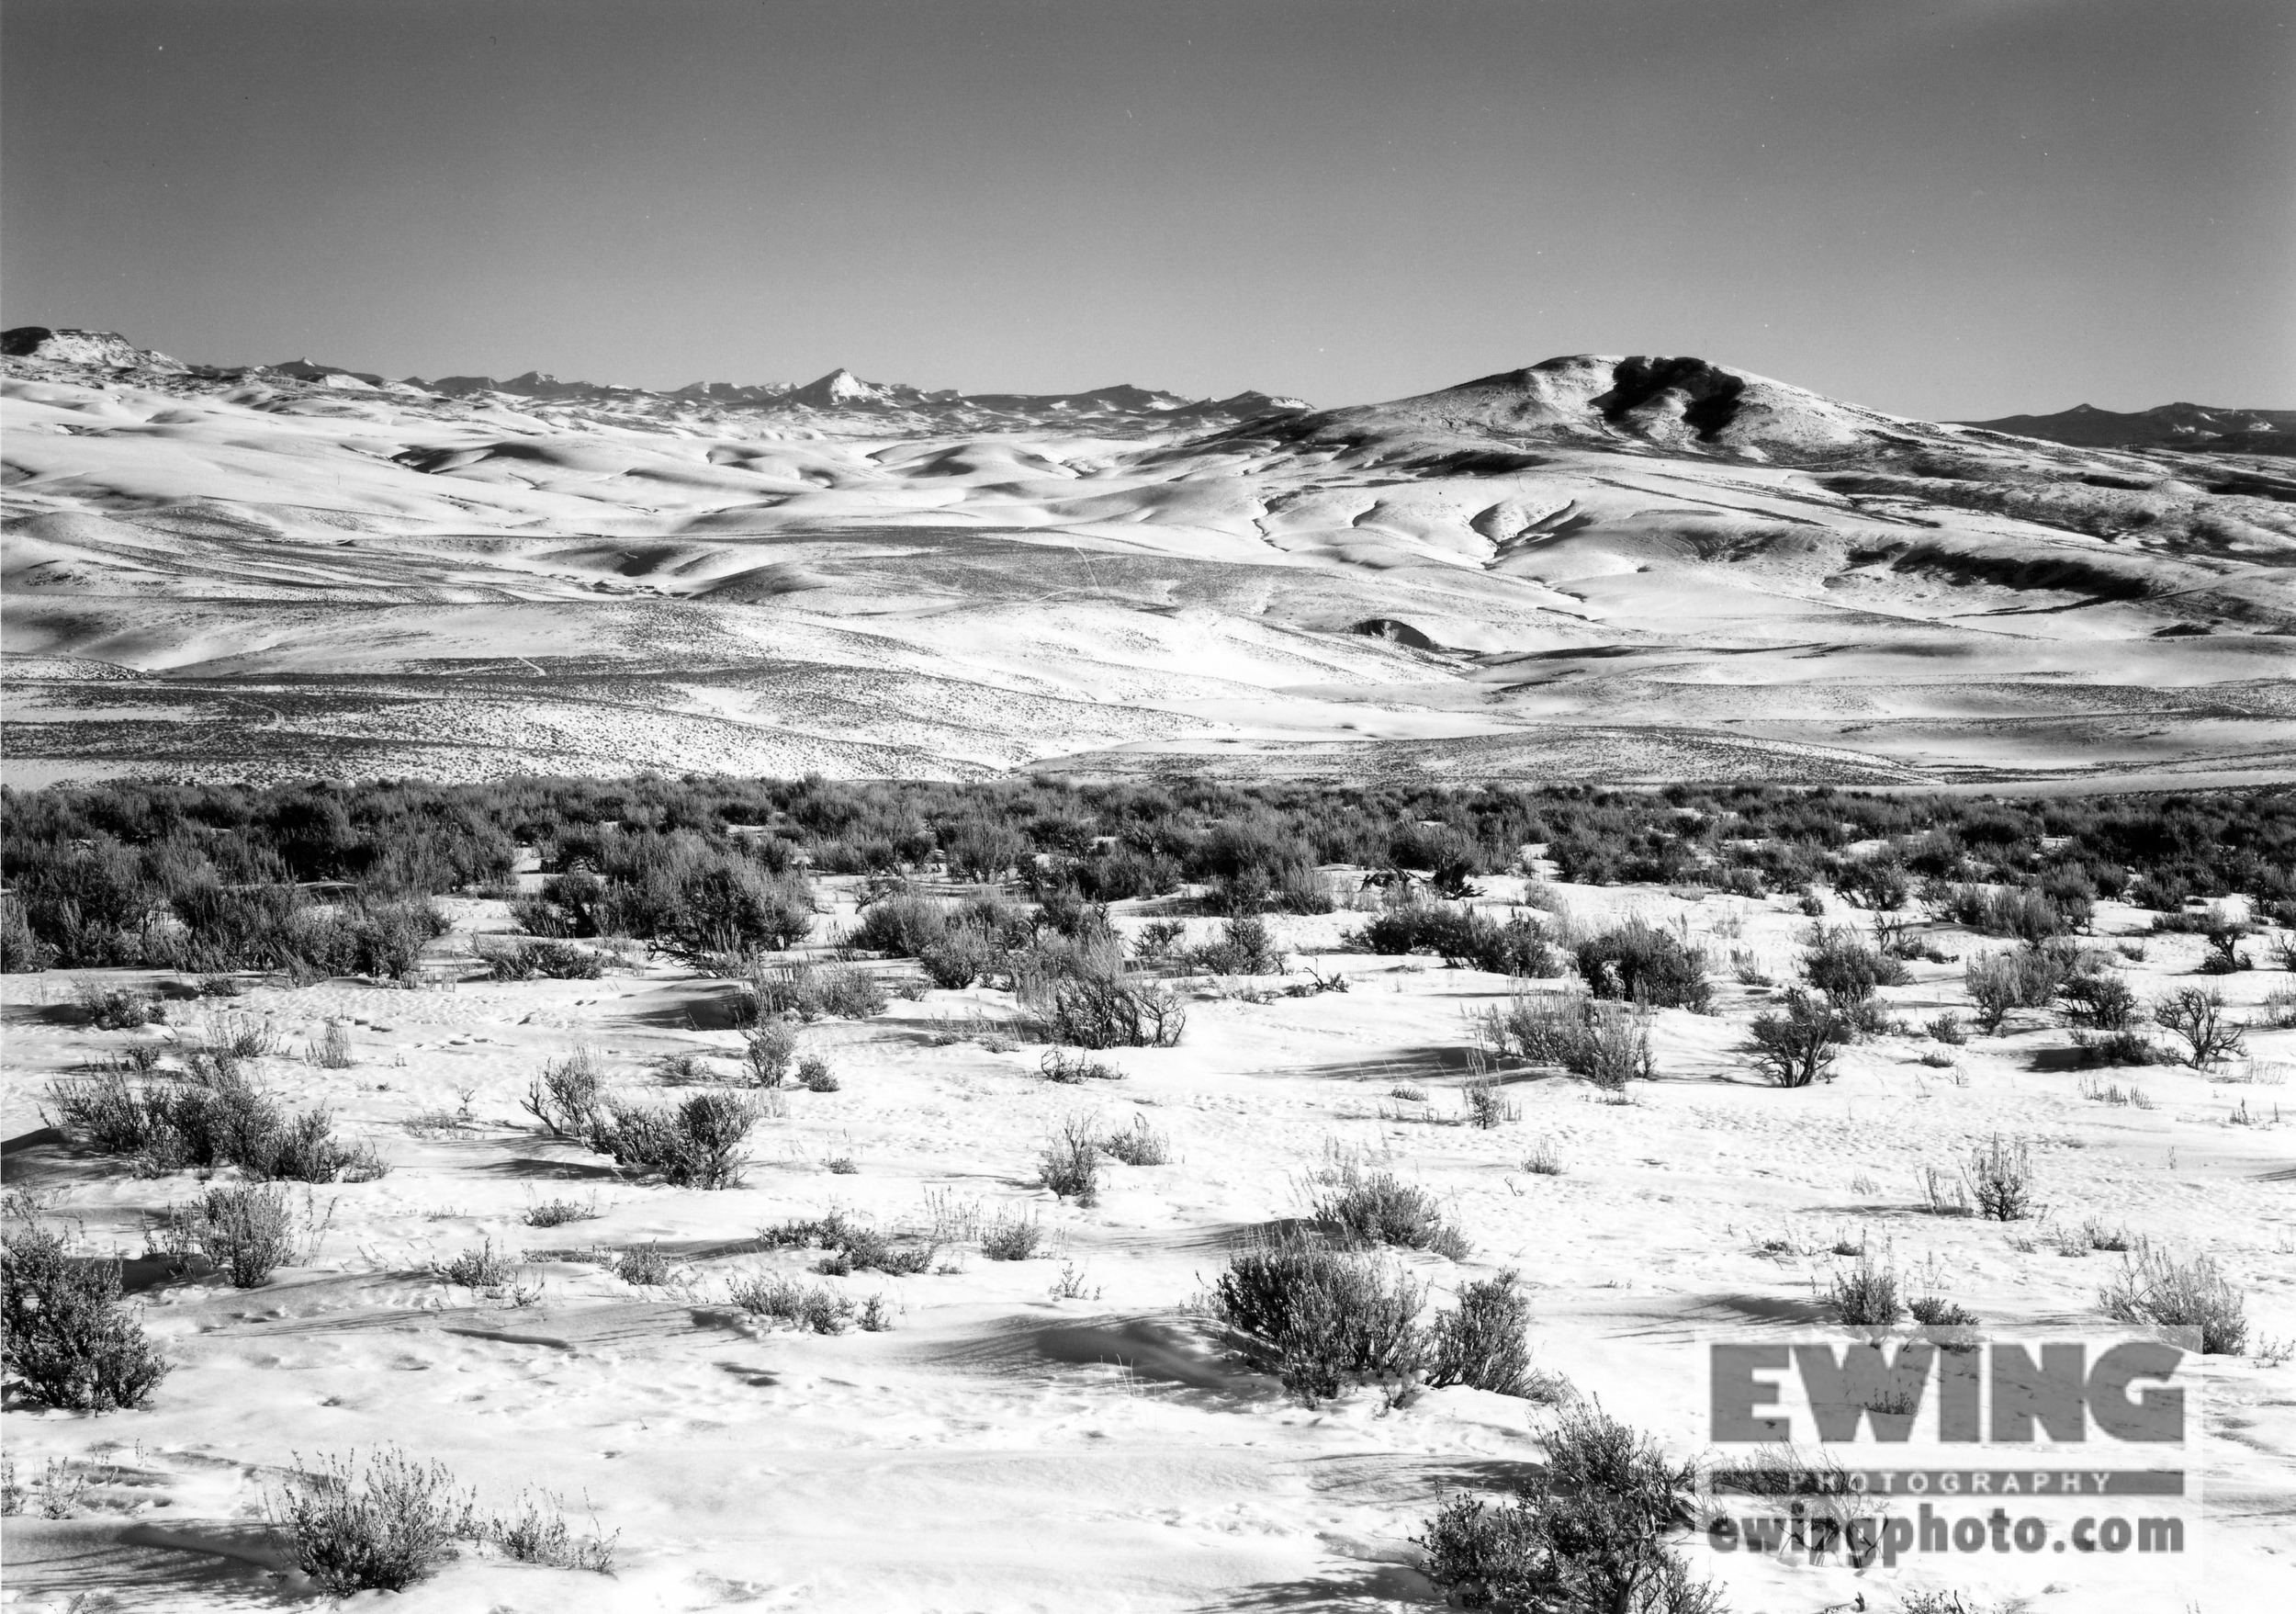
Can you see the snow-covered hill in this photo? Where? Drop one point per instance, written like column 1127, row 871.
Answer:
column 1594, row 567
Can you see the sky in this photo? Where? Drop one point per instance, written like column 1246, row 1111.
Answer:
column 1947, row 208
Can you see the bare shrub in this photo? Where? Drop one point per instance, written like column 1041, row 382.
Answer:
column 1933, row 1311
column 1243, row 947
column 1051, row 956
column 1097, row 1013
column 1951, row 1602
column 814, row 1076
column 138, row 1058
column 1593, row 1530
column 1159, row 940
column 954, row 1221
column 1608, row 1044
column 558, row 1213
column 1795, row 1048
column 866, row 1250
column 439, row 1121
column 770, row 1049
column 1318, row 1318
column 851, row 1246
column 21, row 953
column 2099, row 1002
column 998, row 1036
column 1357, row 1208
column 54, row 1495
column 1317, row 983
column 1137, row 1145
column 567, row 1097
column 118, row 1008
column 849, row 992
column 2198, row 1018
column 1463, row 936
column 1070, row 1164
column 1012, row 1238
column 1640, row 962
column 380, row 1531
column 2153, row 1288
column 65, row 1341
column 2017, row 911
column 484, row 1267
column 685, row 1070
column 1487, row 1105
column 1071, row 1069
column 1840, row 965
column 1071, row 1285
column 246, row 1229
column 213, row 1068
column 2000, row 1178
column 903, row 924
column 242, row 1036
column 811, row 1307
column 332, row 1050
column 537, row 1533
column 201, row 1125
column 542, row 960
column 642, row 1266
column 1482, row 1341
column 1544, row 1160
column 694, row 1144
column 2224, row 956
column 2023, row 977
column 801, row 1230
column 105, row 1112
column 812, row 992
column 304, row 1149
column 1942, row 1193
column 958, row 958
column 1865, row 1296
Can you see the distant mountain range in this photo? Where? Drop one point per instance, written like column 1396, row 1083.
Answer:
column 1710, row 407
column 883, row 406
column 2168, row 425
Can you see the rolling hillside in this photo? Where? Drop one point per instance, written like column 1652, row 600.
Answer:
column 1595, row 566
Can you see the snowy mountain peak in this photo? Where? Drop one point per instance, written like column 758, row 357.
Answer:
column 1679, row 405
column 840, row 389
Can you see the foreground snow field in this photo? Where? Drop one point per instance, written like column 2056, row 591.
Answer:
column 1066, row 1433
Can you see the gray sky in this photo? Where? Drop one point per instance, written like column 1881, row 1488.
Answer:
column 1944, row 207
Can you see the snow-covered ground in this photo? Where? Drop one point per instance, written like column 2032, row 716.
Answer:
column 268, row 577
column 1006, row 1448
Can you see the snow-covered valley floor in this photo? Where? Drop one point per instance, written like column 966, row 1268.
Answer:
column 1067, row 1433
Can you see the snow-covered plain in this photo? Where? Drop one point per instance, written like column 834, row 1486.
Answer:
column 1003, row 1447
column 1598, row 568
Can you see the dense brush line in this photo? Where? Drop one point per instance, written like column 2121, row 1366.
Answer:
column 336, row 878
